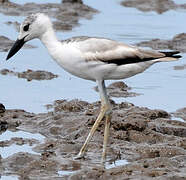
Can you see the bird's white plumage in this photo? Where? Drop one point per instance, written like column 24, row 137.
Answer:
column 82, row 58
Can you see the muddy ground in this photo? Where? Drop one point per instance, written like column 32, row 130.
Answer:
column 178, row 42
column 153, row 142
column 119, row 89
column 159, row 6
column 30, row 75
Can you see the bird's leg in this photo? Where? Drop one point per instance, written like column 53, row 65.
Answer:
column 106, row 135
column 105, row 107
column 91, row 133
column 108, row 115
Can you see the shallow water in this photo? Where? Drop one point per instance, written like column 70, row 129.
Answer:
column 66, row 172
column 161, row 86
column 9, row 177
column 14, row 148
column 178, row 119
column 8, row 135
column 116, row 163
column 108, row 165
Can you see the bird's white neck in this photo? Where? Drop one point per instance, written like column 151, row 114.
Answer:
column 51, row 42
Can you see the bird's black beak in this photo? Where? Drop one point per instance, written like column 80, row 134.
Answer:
column 16, row 47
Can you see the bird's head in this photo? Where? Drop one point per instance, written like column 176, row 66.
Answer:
column 34, row 26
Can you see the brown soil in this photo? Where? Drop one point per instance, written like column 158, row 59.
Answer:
column 119, row 89
column 177, row 43
column 30, row 75
column 159, row 6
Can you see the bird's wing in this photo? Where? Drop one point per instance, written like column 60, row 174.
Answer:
column 109, row 51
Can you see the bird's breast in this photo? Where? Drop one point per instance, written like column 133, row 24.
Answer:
column 72, row 60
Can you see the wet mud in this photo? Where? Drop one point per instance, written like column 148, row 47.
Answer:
column 180, row 67
column 159, row 6
column 119, row 89
column 152, row 143
column 66, row 15
column 30, row 75
column 178, row 42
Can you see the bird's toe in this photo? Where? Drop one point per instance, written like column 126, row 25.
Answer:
column 79, row 156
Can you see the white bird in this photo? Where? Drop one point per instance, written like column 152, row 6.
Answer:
column 91, row 58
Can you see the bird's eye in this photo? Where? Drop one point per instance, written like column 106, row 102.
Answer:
column 26, row 27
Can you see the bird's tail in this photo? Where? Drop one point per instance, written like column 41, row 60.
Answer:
column 169, row 56
column 174, row 54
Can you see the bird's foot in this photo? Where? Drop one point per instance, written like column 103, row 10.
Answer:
column 79, row 156
column 103, row 161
